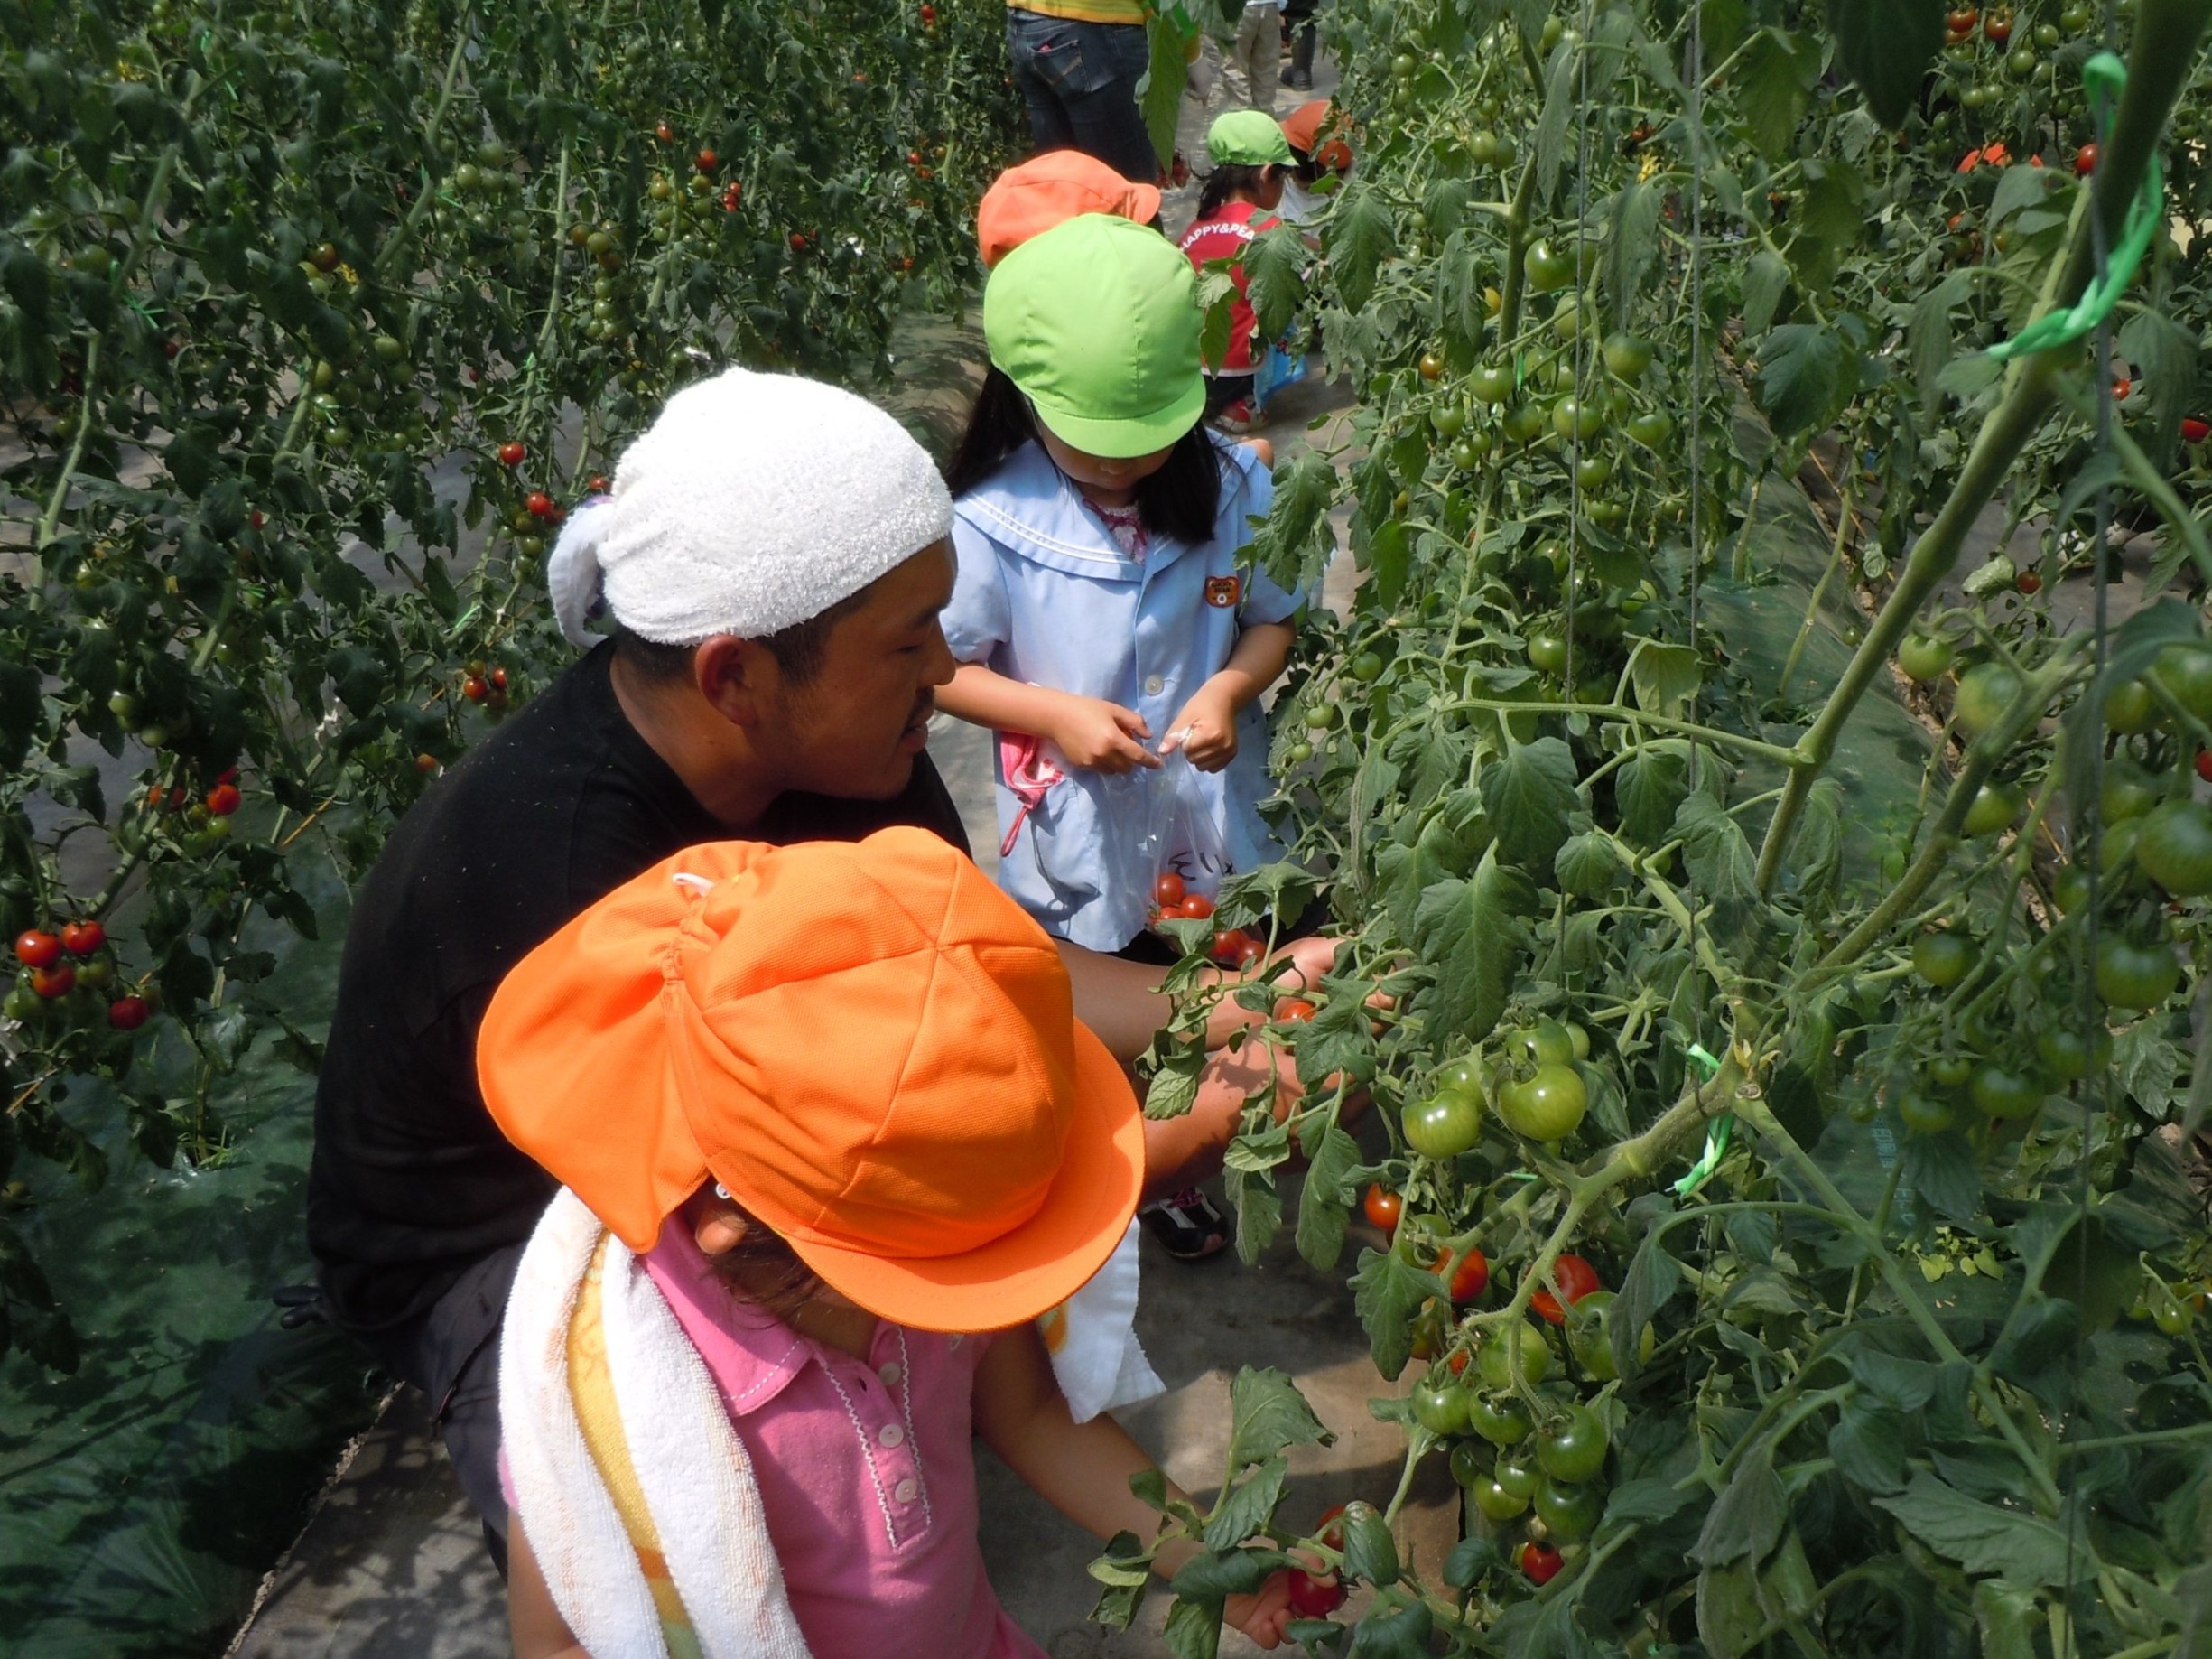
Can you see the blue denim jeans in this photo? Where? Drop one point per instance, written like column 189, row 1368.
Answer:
column 1079, row 82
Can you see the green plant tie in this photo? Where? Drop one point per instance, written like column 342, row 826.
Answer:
column 1717, row 1132
column 2106, row 77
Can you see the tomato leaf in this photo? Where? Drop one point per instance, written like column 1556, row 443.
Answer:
column 1463, row 314
column 1471, row 934
column 1124, row 1572
column 1295, row 543
column 1652, row 1280
column 1747, row 1519
column 1729, row 1617
column 1387, row 1291
column 1470, row 1559
column 1360, row 235
column 1530, row 793
column 1217, row 300
column 1886, row 46
column 1800, row 376
column 1765, row 279
column 1246, row 1506
column 1168, row 36
column 1632, row 241
column 2007, row 1617
column 1775, row 79
column 1722, row 865
column 1929, row 336
column 2025, row 1548
column 1942, row 1172
column 1549, row 148
column 1259, row 1207
column 1648, row 791
column 1587, row 864
column 1193, row 1628
column 1869, row 1443
column 1324, row 1201
column 1664, row 677
column 1275, row 269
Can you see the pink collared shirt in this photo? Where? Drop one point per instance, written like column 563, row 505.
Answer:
column 866, row 1471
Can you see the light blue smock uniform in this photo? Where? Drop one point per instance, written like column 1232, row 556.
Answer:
column 1046, row 596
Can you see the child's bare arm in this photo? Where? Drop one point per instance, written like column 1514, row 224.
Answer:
column 1206, row 729
column 1090, row 731
column 1083, row 1469
column 534, row 1623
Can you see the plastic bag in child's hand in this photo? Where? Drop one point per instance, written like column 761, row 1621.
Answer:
column 1184, row 837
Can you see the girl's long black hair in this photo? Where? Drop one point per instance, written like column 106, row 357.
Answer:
column 1228, row 180
column 1179, row 500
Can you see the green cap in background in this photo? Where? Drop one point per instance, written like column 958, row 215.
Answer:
column 1248, row 138
column 1097, row 321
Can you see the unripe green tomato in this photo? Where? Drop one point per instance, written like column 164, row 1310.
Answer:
column 1950, row 1071
column 1994, row 807
column 1517, row 1472
column 1924, row 658
column 1471, row 1465
column 1572, row 1447
column 1497, row 1363
column 1985, row 692
column 2128, row 790
column 1572, row 418
column 1493, row 383
column 1627, row 355
column 1495, row 1503
column 1589, row 1334
column 1299, row 752
column 1500, row 1419
column 1440, row 1406
column 1320, row 716
column 1925, row 1114
column 2185, row 670
column 1942, row 958
column 1448, row 419
column 1447, row 1123
column 1996, row 1091
column 2130, row 707
column 1570, row 1512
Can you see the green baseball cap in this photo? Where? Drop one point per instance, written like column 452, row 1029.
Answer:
column 1248, row 138
column 1097, row 321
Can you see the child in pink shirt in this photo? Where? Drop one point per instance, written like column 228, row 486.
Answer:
column 831, row 1142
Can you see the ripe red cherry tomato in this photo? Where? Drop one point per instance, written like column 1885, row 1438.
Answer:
column 538, row 504
column 2204, row 764
column 53, row 982
column 223, row 799
column 128, row 1013
column 1468, row 1282
column 705, row 159
column 598, row 485
column 1311, row 1596
column 1384, row 1206
column 665, row 133
column 1293, row 1011
column 2084, row 161
column 1195, row 906
column 511, row 453
column 1576, row 1279
column 2193, row 430
column 1169, row 891
column 929, row 17
column 83, row 938
column 2028, row 582
column 1541, row 1563
column 37, row 948
column 474, row 689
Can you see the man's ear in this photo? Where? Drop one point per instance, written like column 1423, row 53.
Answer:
column 738, row 678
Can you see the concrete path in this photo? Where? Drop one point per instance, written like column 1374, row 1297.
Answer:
column 392, row 1567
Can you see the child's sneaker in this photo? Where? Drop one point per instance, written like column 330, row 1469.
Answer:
column 1239, row 418
column 1187, row 1225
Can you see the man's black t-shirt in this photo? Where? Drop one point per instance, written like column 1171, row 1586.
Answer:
column 412, row 1182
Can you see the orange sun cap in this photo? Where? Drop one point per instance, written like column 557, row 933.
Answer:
column 1304, row 126
column 1050, row 189
column 867, row 1043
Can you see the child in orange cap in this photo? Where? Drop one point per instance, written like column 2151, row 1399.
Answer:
column 1049, row 190
column 831, row 1140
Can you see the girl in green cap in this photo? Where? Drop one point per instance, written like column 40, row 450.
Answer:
column 1253, row 162
column 1106, row 627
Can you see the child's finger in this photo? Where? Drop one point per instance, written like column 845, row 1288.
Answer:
column 1131, row 722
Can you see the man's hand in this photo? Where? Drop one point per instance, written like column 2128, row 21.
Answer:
column 1102, row 736
column 1206, row 729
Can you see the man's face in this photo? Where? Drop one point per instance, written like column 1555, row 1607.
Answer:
column 854, row 729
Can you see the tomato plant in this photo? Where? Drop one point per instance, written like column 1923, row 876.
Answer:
column 1871, row 873
column 313, row 325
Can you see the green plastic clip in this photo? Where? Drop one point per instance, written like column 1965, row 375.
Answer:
column 2103, row 74
column 1717, row 1132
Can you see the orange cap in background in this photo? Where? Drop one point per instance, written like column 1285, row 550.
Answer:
column 1050, row 189
column 1303, row 126
column 867, row 1043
